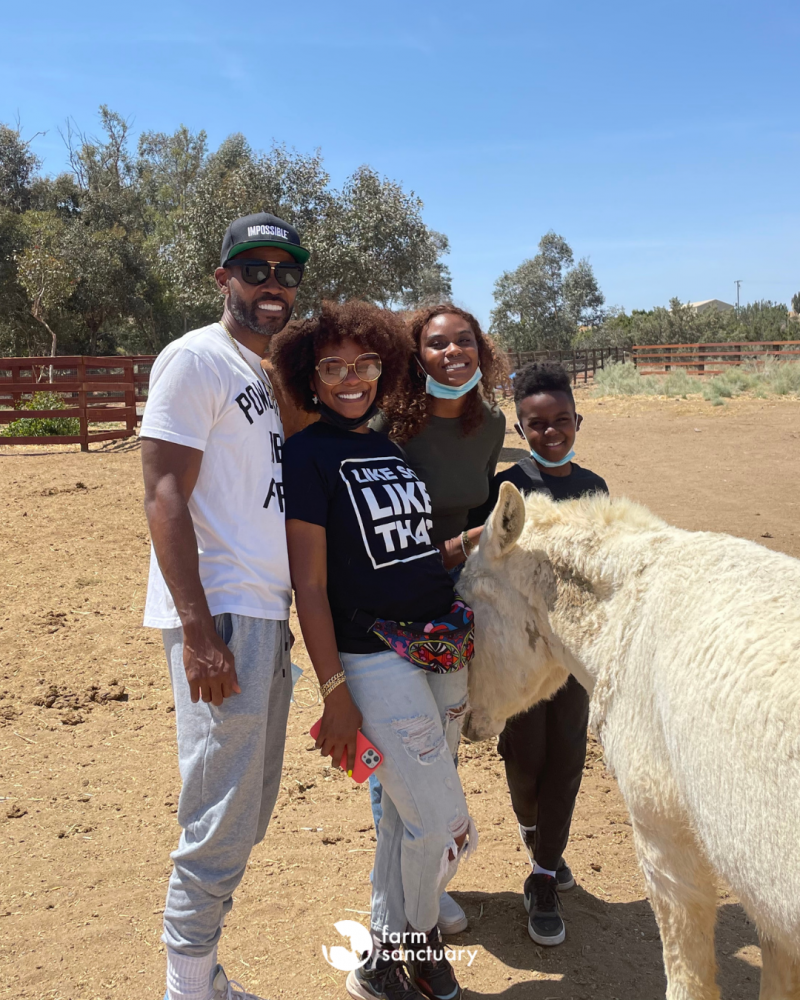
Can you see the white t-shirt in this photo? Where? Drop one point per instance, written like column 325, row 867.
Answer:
column 205, row 396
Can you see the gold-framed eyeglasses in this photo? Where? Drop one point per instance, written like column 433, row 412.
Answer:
column 333, row 371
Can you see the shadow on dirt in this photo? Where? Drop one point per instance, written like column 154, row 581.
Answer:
column 612, row 950
column 123, row 445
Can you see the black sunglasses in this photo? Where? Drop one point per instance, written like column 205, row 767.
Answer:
column 288, row 274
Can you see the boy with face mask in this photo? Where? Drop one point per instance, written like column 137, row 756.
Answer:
column 544, row 749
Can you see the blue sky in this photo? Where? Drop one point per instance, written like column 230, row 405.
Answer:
column 662, row 140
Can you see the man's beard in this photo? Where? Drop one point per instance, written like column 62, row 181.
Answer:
column 250, row 317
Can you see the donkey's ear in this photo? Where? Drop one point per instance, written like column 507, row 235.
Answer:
column 505, row 522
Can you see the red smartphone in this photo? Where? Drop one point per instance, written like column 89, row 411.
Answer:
column 368, row 757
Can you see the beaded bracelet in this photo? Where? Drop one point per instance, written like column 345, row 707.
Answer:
column 331, row 684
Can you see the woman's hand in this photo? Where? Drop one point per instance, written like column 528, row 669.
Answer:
column 341, row 721
column 452, row 550
column 308, row 562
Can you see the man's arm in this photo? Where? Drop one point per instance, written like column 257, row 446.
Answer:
column 170, row 474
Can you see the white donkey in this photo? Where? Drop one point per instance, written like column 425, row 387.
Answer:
column 689, row 645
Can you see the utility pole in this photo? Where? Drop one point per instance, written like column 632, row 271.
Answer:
column 737, row 283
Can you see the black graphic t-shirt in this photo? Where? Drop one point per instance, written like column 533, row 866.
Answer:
column 377, row 517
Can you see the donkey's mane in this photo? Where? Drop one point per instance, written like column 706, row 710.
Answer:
column 597, row 510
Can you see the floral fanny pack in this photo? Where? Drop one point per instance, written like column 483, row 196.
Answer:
column 442, row 646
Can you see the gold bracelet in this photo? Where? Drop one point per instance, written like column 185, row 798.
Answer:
column 331, row 684
column 467, row 545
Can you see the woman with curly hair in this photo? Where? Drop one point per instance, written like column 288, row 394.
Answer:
column 358, row 530
column 447, row 422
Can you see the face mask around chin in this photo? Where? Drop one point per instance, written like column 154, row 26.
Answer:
column 330, row 416
column 552, row 465
column 440, row 391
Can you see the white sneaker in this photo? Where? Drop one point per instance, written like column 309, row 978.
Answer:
column 229, row 989
column 452, row 919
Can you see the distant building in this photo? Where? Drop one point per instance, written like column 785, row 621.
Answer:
column 707, row 304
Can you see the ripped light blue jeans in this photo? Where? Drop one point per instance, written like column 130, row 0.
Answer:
column 374, row 784
column 414, row 717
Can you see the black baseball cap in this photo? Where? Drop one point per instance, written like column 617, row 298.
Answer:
column 261, row 230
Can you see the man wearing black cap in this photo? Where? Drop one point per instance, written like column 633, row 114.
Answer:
column 219, row 586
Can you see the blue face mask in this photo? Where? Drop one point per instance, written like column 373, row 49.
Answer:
column 552, row 465
column 434, row 388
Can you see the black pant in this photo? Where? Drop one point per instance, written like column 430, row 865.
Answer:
column 544, row 750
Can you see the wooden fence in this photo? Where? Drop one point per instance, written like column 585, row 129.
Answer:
column 103, row 390
column 581, row 365
column 95, row 391
column 710, row 359
column 111, row 390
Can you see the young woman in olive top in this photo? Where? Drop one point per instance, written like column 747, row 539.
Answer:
column 451, row 432
column 447, row 423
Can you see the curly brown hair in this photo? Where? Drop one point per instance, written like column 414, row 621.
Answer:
column 407, row 411
column 295, row 351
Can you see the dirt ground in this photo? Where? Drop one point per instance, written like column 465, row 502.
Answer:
column 89, row 782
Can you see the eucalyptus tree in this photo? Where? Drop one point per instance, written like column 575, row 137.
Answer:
column 546, row 299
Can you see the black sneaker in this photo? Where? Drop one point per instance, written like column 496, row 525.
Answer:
column 545, row 925
column 432, row 974
column 387, row 981
column 565, row 880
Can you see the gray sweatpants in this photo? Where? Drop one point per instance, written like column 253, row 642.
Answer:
column 230, row 760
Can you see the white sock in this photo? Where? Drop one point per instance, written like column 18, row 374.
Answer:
column 523, row 830
column 538, row 870
column 189, row 977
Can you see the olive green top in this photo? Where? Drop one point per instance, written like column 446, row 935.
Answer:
column 455, row 469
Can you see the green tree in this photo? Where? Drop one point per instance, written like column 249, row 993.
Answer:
column 367, row 241
column 105, row 174
column 433, row 285
column 167, row 168
column 109, row 269
column 19, row 332
column 234, row 181
column 105, row 239
column 764, row 320
column 378, row 247
column 133, row 235
column 616, row 330
column 18, row 166
column 43, row 271
column 542, row 303
column 681, row 324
